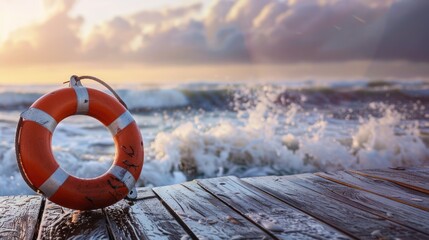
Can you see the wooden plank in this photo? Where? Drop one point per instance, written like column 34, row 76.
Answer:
column 419, row 172
column 380, row 187
column 282, row 220
column 144, row 219
column 411, row 217
column 145, row 192
column 19, row 216
column 205, row 215
column 422, row 171
column 403, row 178
column 63, row 223
column 358, row 223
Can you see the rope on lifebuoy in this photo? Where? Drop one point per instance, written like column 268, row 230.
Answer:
column 78, row 79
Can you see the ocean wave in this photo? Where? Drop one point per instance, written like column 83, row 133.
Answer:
column 244, row 130
column 224, row 96
column 141, row 100
column 138, row 100
column 17, row 100
column 265, row 144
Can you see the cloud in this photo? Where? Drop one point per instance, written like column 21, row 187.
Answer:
column 158, row 16
column 241, row 31
column 189, row 43
column 110, row 41
column 270, row 31
column 344, row 30
column 406, row 33
column 53, row 40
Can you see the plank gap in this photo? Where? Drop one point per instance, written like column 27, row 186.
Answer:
column 39, row 218
column 108, row 224
column 205, row 215
column 60, row 223
column 365, row 226
column 304, row 211
column 234, row 209
column 144, row 219
column 400, row 214
column 177, row 218
column 380, row 187
column 400, row 178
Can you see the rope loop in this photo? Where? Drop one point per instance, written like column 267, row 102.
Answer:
column 78, row 79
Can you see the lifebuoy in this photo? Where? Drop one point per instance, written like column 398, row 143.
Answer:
column 42, row 172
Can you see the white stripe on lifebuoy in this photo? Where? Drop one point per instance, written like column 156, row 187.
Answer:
column 40, row 117
column 54, row 182
column 41, row 170
column 123, row 175
column 120, row 123
column 82, row 100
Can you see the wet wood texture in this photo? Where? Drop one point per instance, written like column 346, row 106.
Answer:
column 205, row 215
column 147, row 218
column 384, row 208
column 364, row 204
column 279, row 218
column 19, row 216
column 342, row 214
column 62, row 223
column 380, row 187
column 410, row 179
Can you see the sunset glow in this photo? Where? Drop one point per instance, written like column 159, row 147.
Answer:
column 197, row 40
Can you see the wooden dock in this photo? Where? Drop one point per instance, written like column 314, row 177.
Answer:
column 369, row 204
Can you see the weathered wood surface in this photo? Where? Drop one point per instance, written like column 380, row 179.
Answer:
column 411, row 217
column 401, row 177
column 380, row 187
column 282, row 220
column 419, row 171
column 19, row 216
column 145, row 219
column 62, row 223
column 145, row 192
column 205, row 215
column 354, row 221
column 365, row 204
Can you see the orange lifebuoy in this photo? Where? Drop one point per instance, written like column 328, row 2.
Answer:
column 42, row 172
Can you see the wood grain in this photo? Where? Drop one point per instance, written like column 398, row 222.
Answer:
column 356, row 222
column 380, row 187
column 144, row 219
column 282, row 220
column 405, row 215
column 63, row 223
column 205, row 215
column 406, row 179
column 19, row 216
column 422, row 171
column 367, row 204
column 145, row 192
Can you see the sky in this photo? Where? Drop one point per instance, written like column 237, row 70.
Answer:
column 46, row 41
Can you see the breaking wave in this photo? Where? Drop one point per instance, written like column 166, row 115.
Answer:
column 221, row 96
column 245, row 130
column 273, row 143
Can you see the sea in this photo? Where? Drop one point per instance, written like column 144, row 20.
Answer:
column 246, row 129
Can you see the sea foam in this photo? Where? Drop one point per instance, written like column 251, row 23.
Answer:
column 243, row 130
